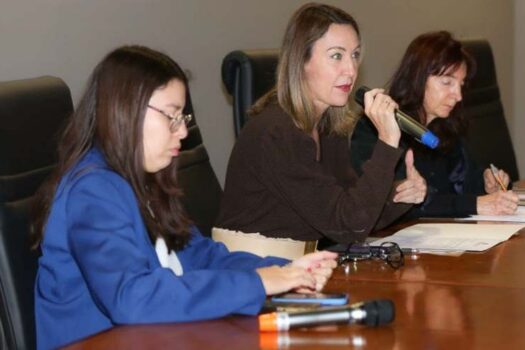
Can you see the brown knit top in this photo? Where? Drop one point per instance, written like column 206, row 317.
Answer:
column 275, row 186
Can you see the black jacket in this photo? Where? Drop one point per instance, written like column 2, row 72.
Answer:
column 454, row 180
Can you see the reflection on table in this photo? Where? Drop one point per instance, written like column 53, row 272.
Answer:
column 474, row 301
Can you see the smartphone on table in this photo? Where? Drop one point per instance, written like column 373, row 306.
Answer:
column 314, row 298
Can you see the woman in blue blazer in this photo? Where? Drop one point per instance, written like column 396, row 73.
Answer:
column 116, row 245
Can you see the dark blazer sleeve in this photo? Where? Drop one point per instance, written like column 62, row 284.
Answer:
column 108, row 247
column 363, row 141
column 444, row 205
column 440, row 204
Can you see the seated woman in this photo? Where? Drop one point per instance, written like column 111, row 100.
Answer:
column 116, row 245
column 289, row 175
column 428, row 86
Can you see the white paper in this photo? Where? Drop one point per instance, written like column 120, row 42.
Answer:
column 452, row 237
column 519, row 216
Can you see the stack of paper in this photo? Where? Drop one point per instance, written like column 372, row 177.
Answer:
column 519, row 216
column 445, row 237
column 521, row 195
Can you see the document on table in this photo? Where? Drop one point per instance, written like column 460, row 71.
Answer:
column 519, row 216
column 521, row 195
column 450, row 237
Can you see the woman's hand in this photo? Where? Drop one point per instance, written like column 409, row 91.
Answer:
column 306, row 274
column 491, row 184
column 277, row 279
column 380, row 110
column 497, row 203
column 320, row 264
column 414, row 188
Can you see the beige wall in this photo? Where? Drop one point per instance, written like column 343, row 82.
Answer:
column 519, row 84
column 68, row 37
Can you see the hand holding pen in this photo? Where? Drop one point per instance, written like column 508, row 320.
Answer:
column 495, row 179
column 498, row 201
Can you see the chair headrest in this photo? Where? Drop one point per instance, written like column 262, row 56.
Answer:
column 259, row 64
column 32, row 112
column 485, row 69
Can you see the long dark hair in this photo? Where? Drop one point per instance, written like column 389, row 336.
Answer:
column 307, row 25
column 111, row 115
column 429, row 54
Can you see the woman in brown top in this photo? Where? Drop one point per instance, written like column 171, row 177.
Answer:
column 289, row 174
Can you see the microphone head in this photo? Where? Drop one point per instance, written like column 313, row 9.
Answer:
column 429, row 139
column 426, row 137
column 379, row 312
column 359, row 96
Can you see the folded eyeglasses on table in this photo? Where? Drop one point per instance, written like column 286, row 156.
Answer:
column 390, row 252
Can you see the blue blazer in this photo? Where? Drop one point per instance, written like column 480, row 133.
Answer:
column 99, row 269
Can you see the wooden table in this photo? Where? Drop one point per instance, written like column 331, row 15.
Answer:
column 474, row 301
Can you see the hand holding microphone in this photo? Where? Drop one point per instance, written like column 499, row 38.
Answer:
column 380, row 110
column 405, row 122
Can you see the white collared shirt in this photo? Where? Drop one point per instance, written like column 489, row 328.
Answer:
column 170, row 260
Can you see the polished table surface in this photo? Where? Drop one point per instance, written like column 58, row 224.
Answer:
column 472, row 301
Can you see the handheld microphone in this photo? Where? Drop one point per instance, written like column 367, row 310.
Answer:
column 405, row 122
column 370, row 313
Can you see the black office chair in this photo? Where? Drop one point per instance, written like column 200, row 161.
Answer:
column 488, row 137
column 31, row 114
column 202, row 191
column 247, row 75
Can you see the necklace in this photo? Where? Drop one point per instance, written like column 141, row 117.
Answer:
column 149, row 209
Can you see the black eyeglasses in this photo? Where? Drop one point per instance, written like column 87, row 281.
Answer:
column 387, row 251
column 175, row 120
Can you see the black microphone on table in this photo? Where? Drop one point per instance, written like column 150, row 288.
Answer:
column 369, row 313
column 405, row 122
